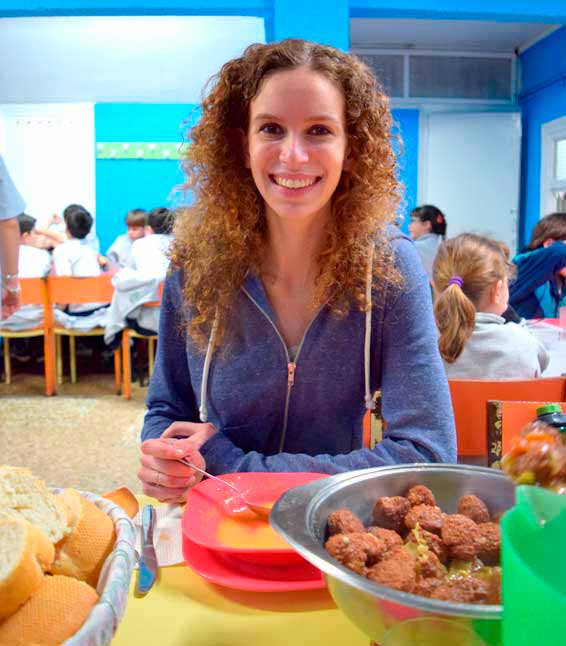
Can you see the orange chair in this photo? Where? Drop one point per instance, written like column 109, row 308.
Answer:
column 469, row 399
column 34, row 292
column 129, row 333
column 73, row 290
column 505, row 420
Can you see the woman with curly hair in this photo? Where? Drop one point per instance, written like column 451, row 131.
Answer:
column 293, row 298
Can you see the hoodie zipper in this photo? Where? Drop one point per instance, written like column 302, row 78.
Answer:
column 291, row 365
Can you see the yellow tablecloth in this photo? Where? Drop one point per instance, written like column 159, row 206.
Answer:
column 183, row 609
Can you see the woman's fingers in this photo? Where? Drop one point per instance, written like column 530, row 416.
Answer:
column 185, row 429
column 159, row 478
column 169, row 467
column 164, row 449
column 164, row 495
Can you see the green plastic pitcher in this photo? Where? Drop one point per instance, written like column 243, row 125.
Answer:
column 533, row 557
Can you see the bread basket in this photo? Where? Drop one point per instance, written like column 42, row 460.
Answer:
column 114, row 581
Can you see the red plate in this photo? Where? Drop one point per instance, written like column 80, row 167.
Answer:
column 232, row 572
column 209, row 503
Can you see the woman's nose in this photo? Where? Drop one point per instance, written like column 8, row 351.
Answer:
column 293, row 151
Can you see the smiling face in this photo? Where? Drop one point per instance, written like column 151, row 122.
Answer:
column 296, row 143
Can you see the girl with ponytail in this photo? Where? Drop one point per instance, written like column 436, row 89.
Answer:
column 471, row 283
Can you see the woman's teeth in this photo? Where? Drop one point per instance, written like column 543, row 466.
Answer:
column 294, row 183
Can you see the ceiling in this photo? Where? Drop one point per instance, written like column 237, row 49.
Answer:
column 453, row 35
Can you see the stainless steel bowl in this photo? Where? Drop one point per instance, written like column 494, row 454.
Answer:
column 300, row 517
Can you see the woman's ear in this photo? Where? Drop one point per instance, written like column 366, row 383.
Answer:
column 239, row 142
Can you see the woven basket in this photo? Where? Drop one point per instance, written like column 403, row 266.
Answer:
column 114, row 581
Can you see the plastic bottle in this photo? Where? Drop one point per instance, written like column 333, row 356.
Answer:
column 552, row 415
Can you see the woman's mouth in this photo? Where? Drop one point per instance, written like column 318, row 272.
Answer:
column 294, row 183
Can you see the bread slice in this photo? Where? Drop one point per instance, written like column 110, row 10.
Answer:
column 124, row 498
column 82, row 553
column 25, row 554
column 24, row 496
column 51, row 615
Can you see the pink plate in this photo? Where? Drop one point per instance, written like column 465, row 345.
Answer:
column 208, row 503
column 234, row 573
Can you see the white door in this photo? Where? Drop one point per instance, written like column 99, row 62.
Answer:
column 469, row 167
column 49, row 150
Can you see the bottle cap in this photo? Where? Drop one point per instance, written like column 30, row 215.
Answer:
column 548, row 408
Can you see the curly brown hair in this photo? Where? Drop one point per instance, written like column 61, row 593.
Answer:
column 222, row 236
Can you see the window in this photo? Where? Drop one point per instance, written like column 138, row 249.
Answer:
column 553, row 166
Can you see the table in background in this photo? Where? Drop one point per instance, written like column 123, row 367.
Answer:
column 548, row 331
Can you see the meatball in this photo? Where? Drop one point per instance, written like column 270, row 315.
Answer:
column 432, row 541
column 356, row 551
column 461, row 535
column 429, row 566
column 388, row 536
column 421, row 495
column 390, row 513
column 425, row 587
column 474, row 508
column 468, row 589
column 397, row 570
column 489, row 543
column 429, row 518
column 344, row 521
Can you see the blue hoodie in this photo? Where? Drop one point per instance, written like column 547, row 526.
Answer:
column 272, row 420
column 535, row 292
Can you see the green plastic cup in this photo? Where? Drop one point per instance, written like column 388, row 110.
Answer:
column 431, row 631
column 533, row 557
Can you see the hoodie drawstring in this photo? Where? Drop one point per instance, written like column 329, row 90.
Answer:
column 203, row 412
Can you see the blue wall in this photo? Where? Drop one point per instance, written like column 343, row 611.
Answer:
column 124, row 184
column 542, row 99
column 407, row 125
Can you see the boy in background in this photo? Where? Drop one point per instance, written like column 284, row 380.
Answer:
column 149, row 254
column 120, row 250
column 34, row 262
column 75, row 256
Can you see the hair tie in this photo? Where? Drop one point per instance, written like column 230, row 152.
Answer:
column 456, row 280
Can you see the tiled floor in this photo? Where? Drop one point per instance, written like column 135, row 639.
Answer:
column 85, row 437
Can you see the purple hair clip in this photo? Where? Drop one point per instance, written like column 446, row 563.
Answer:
column 456, row 280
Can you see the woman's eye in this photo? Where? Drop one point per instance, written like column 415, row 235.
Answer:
column 271, row 129
column 319, row 130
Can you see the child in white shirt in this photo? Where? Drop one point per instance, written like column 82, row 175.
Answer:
column 120, row 250
column 471, row 283
column 150, row 253
column 75, row 256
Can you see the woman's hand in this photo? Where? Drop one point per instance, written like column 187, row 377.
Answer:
column 162, row 475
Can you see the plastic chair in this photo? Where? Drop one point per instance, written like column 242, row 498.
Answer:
column 72, row 290
column 469, row 400
column 129, row 333
column 505, row 420
column 34, row 292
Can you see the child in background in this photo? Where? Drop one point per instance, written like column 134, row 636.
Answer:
column 75, row 256
column 149, row 254
column 120, row 250
column 540, row 290
column 428, row 229
column 33, row 262
column 471, row 281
